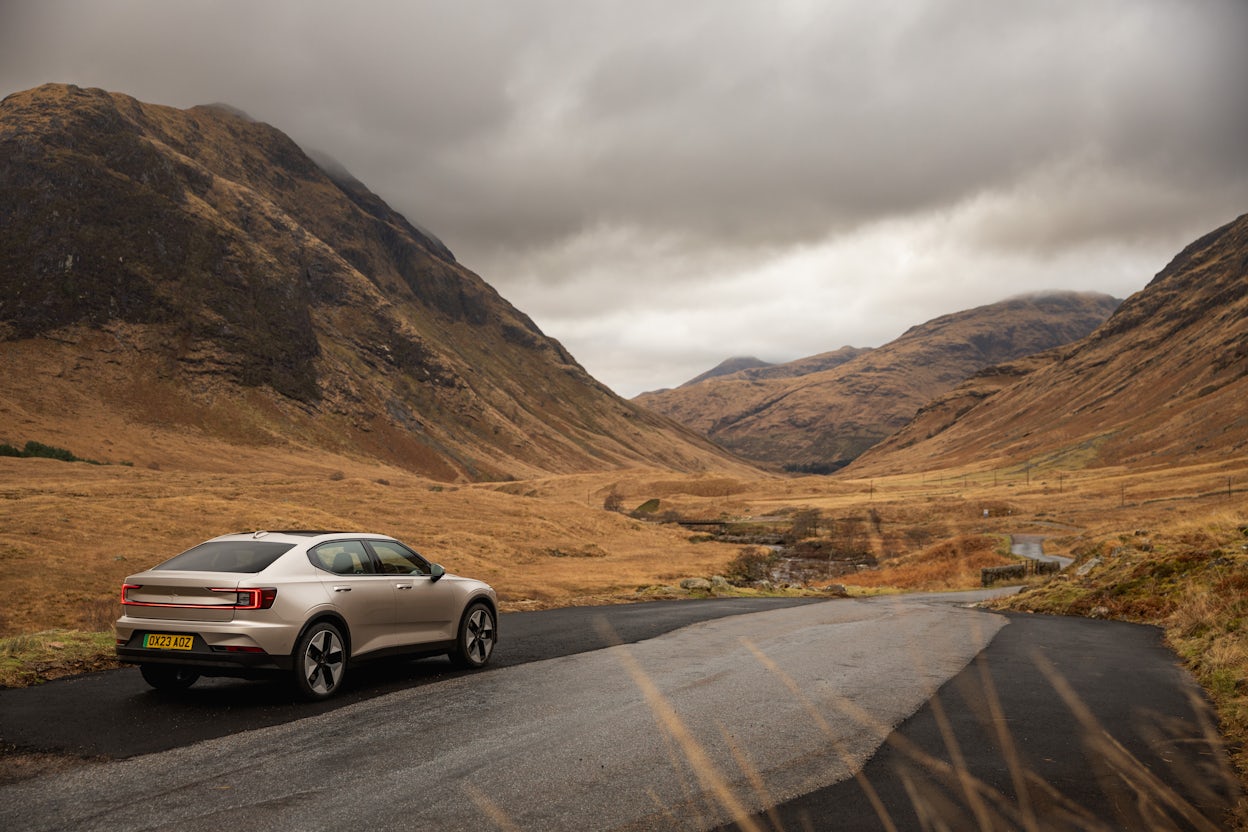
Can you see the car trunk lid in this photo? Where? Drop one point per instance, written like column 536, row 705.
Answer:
column 181, row 596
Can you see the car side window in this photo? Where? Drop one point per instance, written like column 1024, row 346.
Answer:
column 342, row 557
column 397, row 559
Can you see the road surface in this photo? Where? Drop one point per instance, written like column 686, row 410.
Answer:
column 1032, row 546
column 703, row 725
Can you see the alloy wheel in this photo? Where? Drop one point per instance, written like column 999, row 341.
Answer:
column 322, row 662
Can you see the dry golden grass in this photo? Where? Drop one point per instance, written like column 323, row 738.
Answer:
column 950, row 564
column 72, row 532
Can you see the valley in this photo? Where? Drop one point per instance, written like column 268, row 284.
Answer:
column 549, row 541
column 238, row 337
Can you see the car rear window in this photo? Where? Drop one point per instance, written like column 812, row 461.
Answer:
column 228, row 556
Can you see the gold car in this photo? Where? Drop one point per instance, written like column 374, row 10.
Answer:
column 307, row 603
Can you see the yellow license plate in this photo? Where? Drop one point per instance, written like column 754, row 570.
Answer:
column 166, row 641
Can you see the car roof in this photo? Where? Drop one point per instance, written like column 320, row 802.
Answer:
column 301, row 533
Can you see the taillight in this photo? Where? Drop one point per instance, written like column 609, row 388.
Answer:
column 252, row 599
column 242, row 599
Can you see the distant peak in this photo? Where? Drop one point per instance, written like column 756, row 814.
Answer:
column 728, row 367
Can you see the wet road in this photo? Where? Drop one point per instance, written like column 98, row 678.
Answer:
column 772, row 717
column 1032, row 546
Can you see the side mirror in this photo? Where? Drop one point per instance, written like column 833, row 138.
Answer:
column 436, row 571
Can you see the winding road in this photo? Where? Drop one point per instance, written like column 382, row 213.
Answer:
column 854, row 714
column 1032, row 546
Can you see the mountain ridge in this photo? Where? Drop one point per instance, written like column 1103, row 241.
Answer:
column 199, row 257
column 1164, row 378
column 819, row 413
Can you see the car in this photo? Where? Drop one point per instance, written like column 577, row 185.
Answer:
column 307, row 604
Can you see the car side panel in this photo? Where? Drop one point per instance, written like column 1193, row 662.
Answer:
column 366, row 602
column 427, row 610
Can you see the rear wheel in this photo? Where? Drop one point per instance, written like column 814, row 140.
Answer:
column 477, row 634
column 168, row 676
column 320, row 661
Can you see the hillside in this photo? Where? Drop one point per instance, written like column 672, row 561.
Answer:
column 819, row 413
column 193, row 273
column 1163, row 380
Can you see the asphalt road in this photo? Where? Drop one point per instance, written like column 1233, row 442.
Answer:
column 115, row 714
column 1060, row 724
column 1032, row 546
column 673, row 729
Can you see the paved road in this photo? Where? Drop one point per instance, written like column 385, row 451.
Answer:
column 115, row 714
column 684, row 730
column 1092, row 722
column 1032, row 546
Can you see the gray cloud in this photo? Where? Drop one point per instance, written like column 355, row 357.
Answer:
column 663, row 185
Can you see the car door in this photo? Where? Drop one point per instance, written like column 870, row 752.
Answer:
column 364, row 598
column 425, row 610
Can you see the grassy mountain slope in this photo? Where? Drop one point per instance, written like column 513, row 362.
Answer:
column 820, row 413
column 1163, row 380
column 194, row 270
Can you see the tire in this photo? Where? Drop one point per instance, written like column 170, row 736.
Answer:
column 168, row 676
column 478, row 632
column 320, row 661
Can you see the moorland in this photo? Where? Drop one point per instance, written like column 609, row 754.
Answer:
column 145, row 249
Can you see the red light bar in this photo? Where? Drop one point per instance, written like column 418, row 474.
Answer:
column 244, row 599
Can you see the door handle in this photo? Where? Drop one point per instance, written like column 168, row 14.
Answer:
column 342, row 589
column 402, row 586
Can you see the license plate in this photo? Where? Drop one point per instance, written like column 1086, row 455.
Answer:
column 167, row 641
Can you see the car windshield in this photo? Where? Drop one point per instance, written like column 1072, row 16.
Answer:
column 228, row 556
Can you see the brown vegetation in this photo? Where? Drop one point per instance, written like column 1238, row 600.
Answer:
column 1162, row 383
column 817, row 414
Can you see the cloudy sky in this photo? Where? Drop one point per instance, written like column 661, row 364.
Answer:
column 661, row 185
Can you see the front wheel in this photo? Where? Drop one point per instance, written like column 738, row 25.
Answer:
column 477, row 634
column 168, row 676
column 320, row 661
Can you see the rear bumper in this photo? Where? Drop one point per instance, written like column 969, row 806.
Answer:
column 209, row 660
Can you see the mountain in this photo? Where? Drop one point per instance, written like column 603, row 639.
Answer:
column 727, row 368
column 754, row 369
column 196, row 271
column 1164, row 379
column 817, row 414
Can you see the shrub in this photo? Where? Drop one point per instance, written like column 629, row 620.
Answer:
column 40, row 450
column 751, row 565
column 805, row 524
